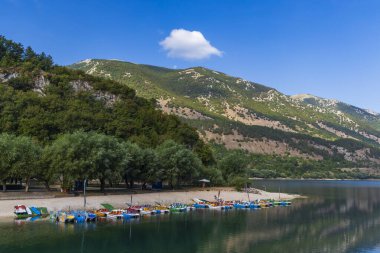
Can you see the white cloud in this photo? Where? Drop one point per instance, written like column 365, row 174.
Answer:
column 188, row 45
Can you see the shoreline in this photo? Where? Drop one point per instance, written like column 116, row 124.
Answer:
column 119, row 201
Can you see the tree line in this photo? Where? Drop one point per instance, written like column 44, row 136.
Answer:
column 13, row 54
column 95, row 156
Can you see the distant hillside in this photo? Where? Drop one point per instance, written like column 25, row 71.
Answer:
column 43, row 100
column 241, row 114
column 364, row 116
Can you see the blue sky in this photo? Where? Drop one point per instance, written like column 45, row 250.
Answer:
column 329, row 48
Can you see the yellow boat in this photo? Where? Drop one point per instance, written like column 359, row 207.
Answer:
column 101, row 213
column 66, row 218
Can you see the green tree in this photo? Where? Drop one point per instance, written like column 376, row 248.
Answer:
column 69, row 158
column 83, row 155
column 10, row 52
column 150, row 171
column 134, row 166
column 189, row 165
column 7, row 157
column 27, row 158
column 45, row 172
column 239, row 182
column 213, row 174
column 107, row 158
column 178, row 163
column 234, row 164
column 205, row 153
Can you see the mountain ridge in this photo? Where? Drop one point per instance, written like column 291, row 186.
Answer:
column 242, row 114
column 299, row 96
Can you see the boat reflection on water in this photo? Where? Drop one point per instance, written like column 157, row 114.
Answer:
column 337, row 216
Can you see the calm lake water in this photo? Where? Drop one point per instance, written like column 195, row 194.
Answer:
column 337, row 216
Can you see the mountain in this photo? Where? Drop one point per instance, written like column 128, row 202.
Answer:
column 366, row 116
column 43, row 101
column 241, row 114
column 271, row 134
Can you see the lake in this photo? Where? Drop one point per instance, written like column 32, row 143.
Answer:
column 337, row 216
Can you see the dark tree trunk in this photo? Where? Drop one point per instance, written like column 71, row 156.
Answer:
column 171, row 182
column 47, row 186
column 27, row 181
column 126, row 182
column 102, row 184
column 131, row 183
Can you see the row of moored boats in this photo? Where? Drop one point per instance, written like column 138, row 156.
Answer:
column 135, row 211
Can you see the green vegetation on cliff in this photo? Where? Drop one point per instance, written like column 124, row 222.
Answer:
column 48, row 104
column 240, row 114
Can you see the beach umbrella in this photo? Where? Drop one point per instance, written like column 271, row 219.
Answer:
column 204, row 181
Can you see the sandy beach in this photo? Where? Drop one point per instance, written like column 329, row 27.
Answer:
column 93, row 202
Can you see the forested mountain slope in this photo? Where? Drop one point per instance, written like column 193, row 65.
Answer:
column 59, row 125
column 43, row 100
column 241, row 114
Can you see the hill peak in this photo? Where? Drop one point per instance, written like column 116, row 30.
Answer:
column 246, row 115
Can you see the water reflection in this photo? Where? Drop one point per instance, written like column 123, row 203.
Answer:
column 337, row 217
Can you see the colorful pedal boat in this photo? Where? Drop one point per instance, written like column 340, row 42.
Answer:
column 115, row 214
column 282, row 203
column 141, row 210
column 160, row 209
column 91, row 217
column 201, row 205
column 64, row 217
column 179, row 207
column 22, row 211
column 101, row 213
column 128, row 216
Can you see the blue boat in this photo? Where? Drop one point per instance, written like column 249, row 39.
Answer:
column 199, row 205
column 254, row 205
column 128, row 216
column 91, row 217
column 35, row 211
column 240, row 205
column 80, row 217
column 285, row 203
